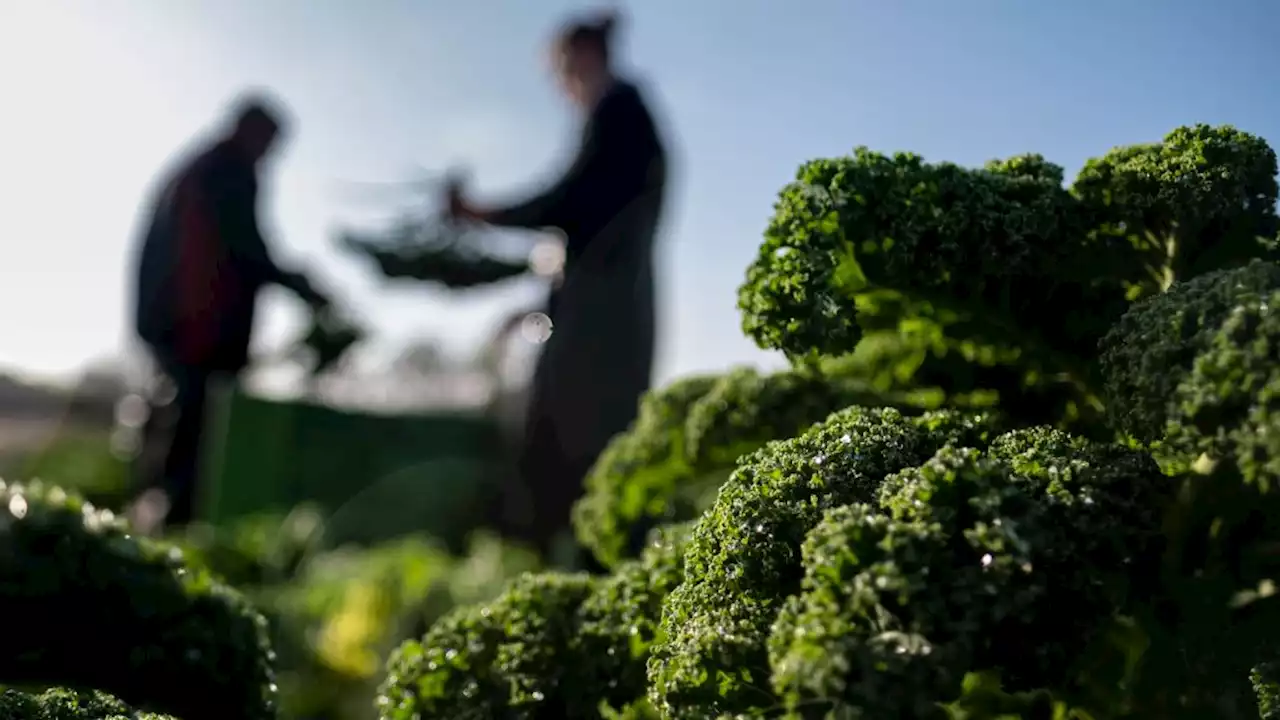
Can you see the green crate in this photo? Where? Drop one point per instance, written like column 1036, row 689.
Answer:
column 376, row 476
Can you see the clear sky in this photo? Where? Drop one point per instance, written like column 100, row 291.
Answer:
column 97, row 95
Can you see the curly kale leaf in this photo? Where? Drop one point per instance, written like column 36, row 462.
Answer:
column 668, row 466
column 102, row 609
column 743, row 560
column 619, row 622
column 552, row 646
column 507, row 658
column 1228, row 406
column 61, row 704
column 745, row 409
column 1212, row 190
column 1153, row 347
column 643, row 477
column 1009, row 562
column 874, row 222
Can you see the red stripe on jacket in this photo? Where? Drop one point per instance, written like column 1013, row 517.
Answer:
column 205, row 282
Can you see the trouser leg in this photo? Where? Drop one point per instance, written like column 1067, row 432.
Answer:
column 169, row 460
column 182, row 462
column 539, row 470
column 555, row 483
column 578, row 404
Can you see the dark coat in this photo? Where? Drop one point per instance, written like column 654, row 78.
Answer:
column 202, row 263
column 598, row 361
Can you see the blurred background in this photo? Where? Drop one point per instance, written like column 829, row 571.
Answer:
column 349, row 506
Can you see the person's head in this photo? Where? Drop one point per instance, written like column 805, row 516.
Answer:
column 256, row 125
column 582, row 57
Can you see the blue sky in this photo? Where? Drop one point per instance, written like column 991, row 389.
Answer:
column 99, row 94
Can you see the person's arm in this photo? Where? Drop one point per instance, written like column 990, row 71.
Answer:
column 233, row 193
column 598, row 164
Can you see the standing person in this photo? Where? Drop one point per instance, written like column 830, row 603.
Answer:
column 598, row 360
column 203, row 260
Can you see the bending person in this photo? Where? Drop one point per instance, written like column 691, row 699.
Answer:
column 598, row 360
column 203, row 260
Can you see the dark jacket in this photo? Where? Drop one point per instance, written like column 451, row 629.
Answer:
column 202, row 263
column 599, row 358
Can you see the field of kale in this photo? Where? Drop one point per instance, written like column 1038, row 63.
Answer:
column 1021, row 466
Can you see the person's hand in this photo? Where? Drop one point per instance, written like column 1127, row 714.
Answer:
column 318, row 301
column 301, row 285
column 455, row 204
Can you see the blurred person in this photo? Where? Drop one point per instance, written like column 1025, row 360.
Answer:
column 598, row 360
column 203, row 260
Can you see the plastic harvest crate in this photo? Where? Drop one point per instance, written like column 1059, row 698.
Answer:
column 375, row 476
